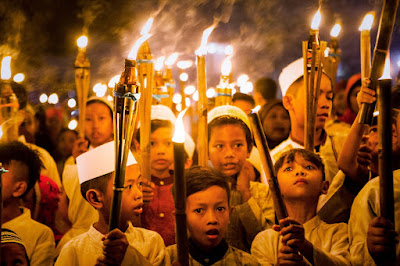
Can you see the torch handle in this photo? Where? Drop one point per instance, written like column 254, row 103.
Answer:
column 202, row 111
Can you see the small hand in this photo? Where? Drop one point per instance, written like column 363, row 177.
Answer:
column 115, row 245
column 147, row 190
column 243, row 182
column 365, row 95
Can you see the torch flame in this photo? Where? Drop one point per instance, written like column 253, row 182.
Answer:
column 336, row 30
column 146, row 28
column 203, row 47
column 6, row 68
column 159, row 63
column 184, row 64
column 179, row 135
column 316, row 20
column 386, row 69
column 228, row 50
column 82, row 41
column 226, row 67
column 133, row 54
column 256, row 109
column 171, row 59
column 1, row 132
column 367, row 21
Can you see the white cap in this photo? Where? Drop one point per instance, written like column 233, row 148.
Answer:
column 290, row 74
column 228, row 110
column 98, row 162
column 101, row 99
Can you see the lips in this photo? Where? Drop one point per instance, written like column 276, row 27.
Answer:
column 138, row 209
column 301, row 181
column 229, row 166
column 161, row 161
column 212, row 233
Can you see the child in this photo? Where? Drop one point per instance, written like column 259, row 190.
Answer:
column 12, row 249
column 229, row 145
column 207, row 212
column 96, row 168
column 302, row 237
column 158, row 214
column 23, row 165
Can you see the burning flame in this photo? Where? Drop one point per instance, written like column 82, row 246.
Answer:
column 159, row 63
column 226, row 67
column 203, row 47
column 6, row 68
column 184, row 64
column 386, row 69
column 184, row 77
column 367, row 21
column 19, row 77
column 242, row 79
column 82, row 41
column 336, row 30
column 256, row 109
column 1, row 132
column 133, row 53
column 113, row 81
column 316, row 20
column 179, row 135
column 171, row 59
column 229, row 50
column 146, row 28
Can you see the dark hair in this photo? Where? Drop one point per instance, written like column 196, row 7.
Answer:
column 99, row 183
column 229, row 120
column 267, row 87
column 309, row 156
column 394, row 115
column 101, row 102
column 64, row 130
column 18, row 151
column 20, row 93
column 238, row 96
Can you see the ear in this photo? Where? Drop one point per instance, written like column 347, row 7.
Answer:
column 95, row 198
column 19, row 188
column 324, row 187
column 287, row 102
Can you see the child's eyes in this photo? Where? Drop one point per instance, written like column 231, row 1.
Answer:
column 220, row 209
column 198, row 210
column 287, row 169
column 219, row 146
column 238, row 145
column 310, row 167
column 128, row 187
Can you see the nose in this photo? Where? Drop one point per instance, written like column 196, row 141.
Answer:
column 228, row 152
column 323, row 101
column 300, row 172
column 137, row 193
column 212, row 218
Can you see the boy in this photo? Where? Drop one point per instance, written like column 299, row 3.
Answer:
column 302, row 237
column 158, row 214
column 229, row 145
column 207, row 213
column 243, row 101
column 12, row 249
column 96, row 176
column 23, row 165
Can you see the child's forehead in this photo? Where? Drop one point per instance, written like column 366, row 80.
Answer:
column 226, row 127
column 297, row 158
column 203, row 196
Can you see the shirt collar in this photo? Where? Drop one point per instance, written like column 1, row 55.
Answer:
column 208, row 258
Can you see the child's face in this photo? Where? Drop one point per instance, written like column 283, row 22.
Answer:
column 207, row 215
column 227, row 148
column 162, row 149
column 276, row 124
column 301, row 179
column 16, row 171
column 13, row 254
column 98, row 124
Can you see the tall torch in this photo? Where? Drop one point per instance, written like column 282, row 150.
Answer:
column 126, row 94
column 169, row 79
column 223, row 94
column 82, row 80
column 365, row 44
column 159, row 91
column 333, row 54
column 202, row 104
column 145, row 74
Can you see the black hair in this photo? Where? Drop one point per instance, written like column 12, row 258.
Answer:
column 63, row 130
column 238, row 96
column 101, row 102
column 18, row 151
column 229, row 120
column 267, row 87
column 99, row 183
column 12, row 232
column 309, row 156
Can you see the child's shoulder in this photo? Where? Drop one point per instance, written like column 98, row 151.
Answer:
column 144, row 234
column 240, row 257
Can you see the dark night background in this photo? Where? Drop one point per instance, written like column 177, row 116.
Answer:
column 266, row 35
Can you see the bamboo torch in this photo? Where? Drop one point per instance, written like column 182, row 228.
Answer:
column 365, row 44
column 180, row 190
column 202, row 104
column 333, row 54
column 82, row 80
column 2, row 170
column 145, row 74
column 159, row 91
column 126, row 94
column 223, row 94
column 169, row 79
column 262, row 146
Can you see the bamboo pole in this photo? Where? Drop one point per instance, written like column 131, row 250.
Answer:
column 2, row 170
column 365, row 53
column 202, row 111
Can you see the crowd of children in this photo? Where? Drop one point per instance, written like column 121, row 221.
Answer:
column 331, row 194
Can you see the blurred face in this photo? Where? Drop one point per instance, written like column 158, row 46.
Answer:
column 373, row 141
column 98, row 124
column 207, row 215
column 227, row 148
column 162, row 149
column 66, row 143
column 300, row 179
column 244, row 105
column 13, row 254
column 17, row 172
column 277, row 123
column 339, row 102
column 353, row 99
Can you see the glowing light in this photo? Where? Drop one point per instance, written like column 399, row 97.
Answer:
column 256, row 109
column 316, row 20
column 179, row 107
column 72, row 124
column 367, row 21
column 210, row 93
column 326, row 52
column 82, row 41
column 53, row 98
column 171, row 59
column 203, row 47
column 43, row 98
column 233, row 91
column 398, row 63
column 247, row 88
column 96, row 87
column 146, row 28
column 159, row 63
column 336, row 30
column 211, row 48
column 110, row 98
column 386, row 70
column 187, row 101
column 195, row 96
column 101, row 90
column 19, row 77
column 6, row 68
column 179, row 134
column 71, row 103
column 376, row 113
column 226, row 67
column 184, row 77
column 177, row 98
column 184, row 64
column 113, row 81
column 242, row 79
column 133, row 53
column 189, row 90
column 1, row 132
column 229, row 50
